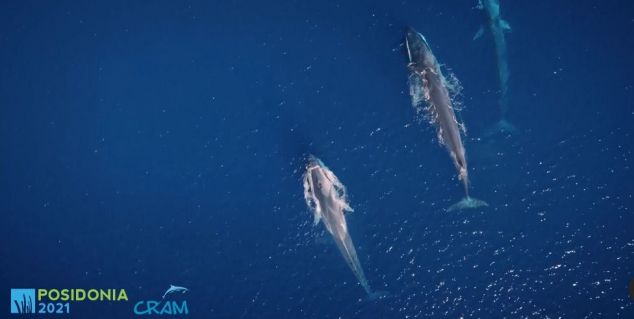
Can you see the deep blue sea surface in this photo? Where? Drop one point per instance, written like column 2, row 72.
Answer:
column 149, row 143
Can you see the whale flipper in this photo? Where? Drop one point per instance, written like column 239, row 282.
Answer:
column 479, row 33
column 505, row 25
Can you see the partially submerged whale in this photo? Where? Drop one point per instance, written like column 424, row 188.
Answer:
column 326, row 197
column 498, row 27
column 429, row 87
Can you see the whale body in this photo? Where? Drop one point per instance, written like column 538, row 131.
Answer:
column 429, row 91
column 326, row 197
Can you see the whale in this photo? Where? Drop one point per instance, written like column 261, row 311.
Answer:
column 429, row 91
column 498, row 27
column 326, row 197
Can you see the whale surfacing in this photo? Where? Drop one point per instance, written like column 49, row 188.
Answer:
column 326, row 197
column 429, row 88
column 498, row 27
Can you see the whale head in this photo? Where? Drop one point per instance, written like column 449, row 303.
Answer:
column 418, row 51
column 314, row 161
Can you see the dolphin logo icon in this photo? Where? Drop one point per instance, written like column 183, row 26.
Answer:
column 173, row 289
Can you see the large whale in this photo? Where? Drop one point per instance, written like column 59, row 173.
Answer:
column 326, row 197
column 429, row 88
column 497, row 27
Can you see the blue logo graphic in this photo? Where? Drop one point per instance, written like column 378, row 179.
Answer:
column 22, row 300
column 163, row 306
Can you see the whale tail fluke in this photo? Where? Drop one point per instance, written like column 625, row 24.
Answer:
column 505, row 126
column 377, row 295
column 502, row 127
column 467, row 202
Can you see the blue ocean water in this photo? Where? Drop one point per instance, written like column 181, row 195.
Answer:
column 154, row 143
